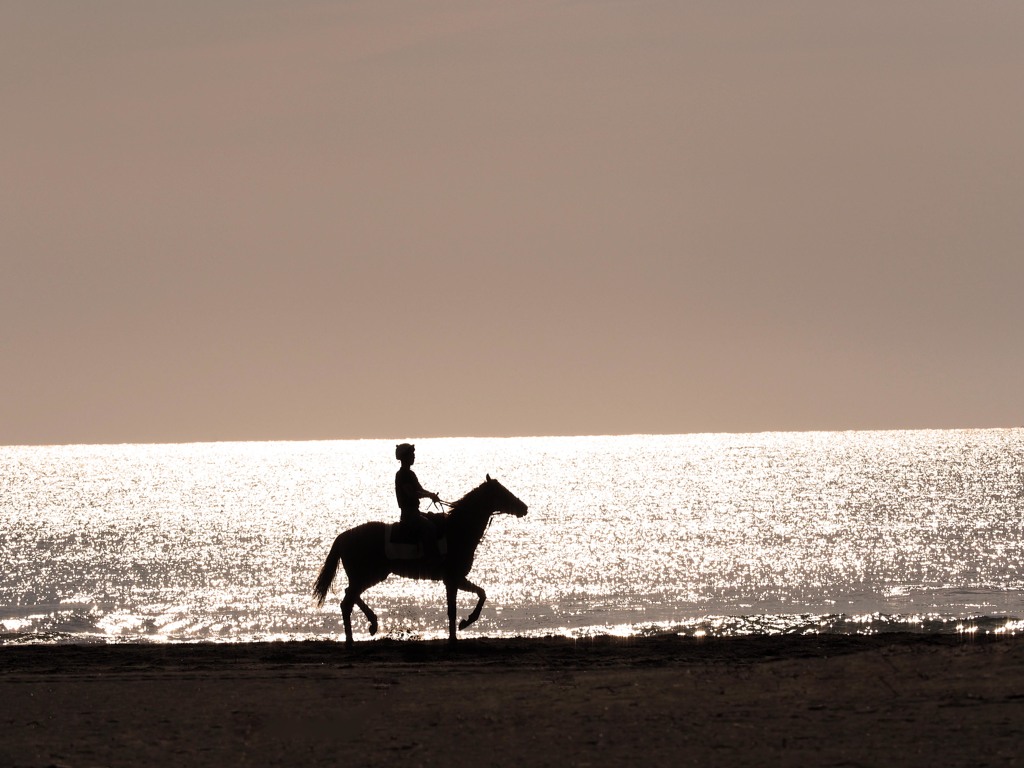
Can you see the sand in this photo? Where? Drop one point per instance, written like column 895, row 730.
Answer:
column 810, row 701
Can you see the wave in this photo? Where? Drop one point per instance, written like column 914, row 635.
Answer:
column 764, row 625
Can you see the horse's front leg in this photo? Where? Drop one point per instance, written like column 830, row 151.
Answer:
column 452, row 589
column 468, row 586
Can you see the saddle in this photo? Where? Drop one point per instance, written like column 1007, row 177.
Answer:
column 401, row 542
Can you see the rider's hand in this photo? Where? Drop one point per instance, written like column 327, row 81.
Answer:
column 435, row 498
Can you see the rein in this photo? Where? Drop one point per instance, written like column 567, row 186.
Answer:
column 445, row 506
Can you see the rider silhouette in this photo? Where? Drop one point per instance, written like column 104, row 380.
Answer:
column 408, row 491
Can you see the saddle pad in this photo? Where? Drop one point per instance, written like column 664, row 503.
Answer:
column 403, row 550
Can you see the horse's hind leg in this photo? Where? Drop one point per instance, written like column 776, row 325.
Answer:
column 467, row 586
column 346, row 613
column 370, row 615
column 352, row 597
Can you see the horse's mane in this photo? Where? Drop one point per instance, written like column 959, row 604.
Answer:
column 470, row 500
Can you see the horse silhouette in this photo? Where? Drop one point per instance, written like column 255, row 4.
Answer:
column 361, row 551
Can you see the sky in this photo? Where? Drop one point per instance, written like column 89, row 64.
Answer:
column 252, row 220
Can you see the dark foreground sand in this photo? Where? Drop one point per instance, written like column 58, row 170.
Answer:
column 890, row 700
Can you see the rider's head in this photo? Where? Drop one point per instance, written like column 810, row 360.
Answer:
column 405, row 452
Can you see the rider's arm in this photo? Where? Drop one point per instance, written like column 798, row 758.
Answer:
column 424, row 493
column 413, row 485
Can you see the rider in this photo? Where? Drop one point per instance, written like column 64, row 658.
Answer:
column 408, row 491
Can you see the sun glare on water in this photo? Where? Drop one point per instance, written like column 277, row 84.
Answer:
column 703, row 534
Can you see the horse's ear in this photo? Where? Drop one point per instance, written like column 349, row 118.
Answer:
column 488, row 478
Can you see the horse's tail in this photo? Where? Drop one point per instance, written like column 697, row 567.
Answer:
column 330, row 568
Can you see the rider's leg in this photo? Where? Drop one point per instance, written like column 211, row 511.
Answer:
column 428, row 535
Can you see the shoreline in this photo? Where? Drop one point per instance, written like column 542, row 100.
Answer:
column 668, row 649
column 708, row 627
column 890, row 699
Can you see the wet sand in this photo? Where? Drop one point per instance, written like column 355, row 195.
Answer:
column 903, row 700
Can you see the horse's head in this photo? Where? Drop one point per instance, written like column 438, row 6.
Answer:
column 503, row 500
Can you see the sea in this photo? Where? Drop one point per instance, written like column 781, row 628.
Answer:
column 700, row 535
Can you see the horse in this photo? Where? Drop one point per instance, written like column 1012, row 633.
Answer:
column 361, row 551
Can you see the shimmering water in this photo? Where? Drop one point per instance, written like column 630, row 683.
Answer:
column 718, row 534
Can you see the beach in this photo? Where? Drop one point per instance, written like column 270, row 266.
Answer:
column 900, row 699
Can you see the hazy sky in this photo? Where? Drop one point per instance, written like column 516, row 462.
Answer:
column 240, row 219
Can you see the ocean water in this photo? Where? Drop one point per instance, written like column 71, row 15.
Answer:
column 696, row 534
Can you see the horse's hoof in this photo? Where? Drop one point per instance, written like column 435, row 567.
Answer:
column 463, row 624
column 373, row 629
